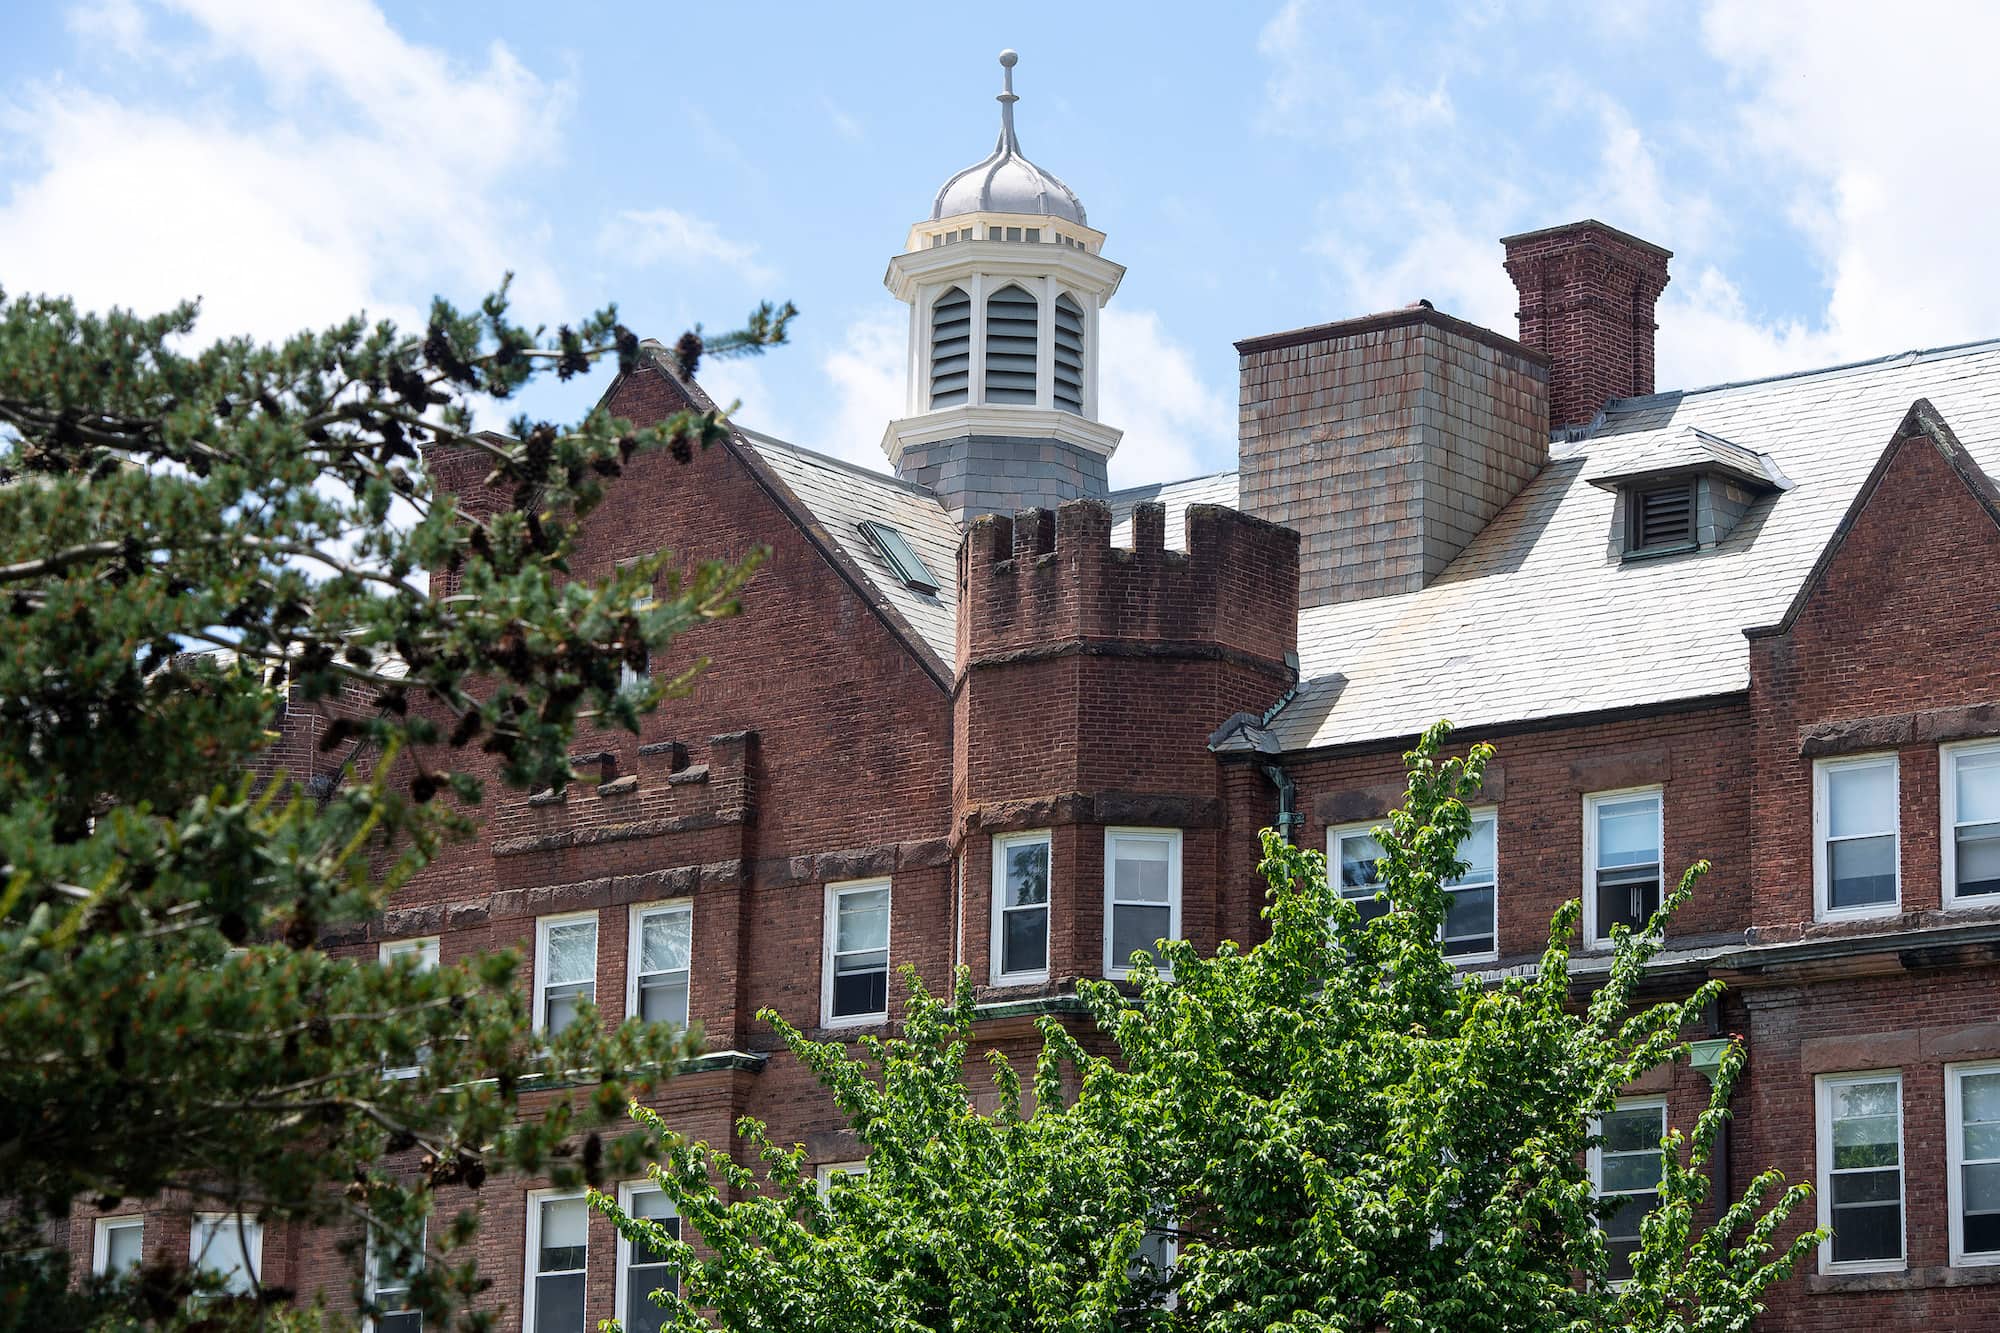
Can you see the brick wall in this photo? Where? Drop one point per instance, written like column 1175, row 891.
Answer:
column 1387, row 443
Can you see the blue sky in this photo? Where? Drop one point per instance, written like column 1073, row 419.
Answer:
column 1824, row 174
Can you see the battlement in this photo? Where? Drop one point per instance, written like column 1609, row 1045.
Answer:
column 650, row 791
column 1045, row 579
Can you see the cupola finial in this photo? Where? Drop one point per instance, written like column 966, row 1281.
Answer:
column 1008, row 59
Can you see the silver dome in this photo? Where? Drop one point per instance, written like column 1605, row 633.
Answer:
column 1005, row 181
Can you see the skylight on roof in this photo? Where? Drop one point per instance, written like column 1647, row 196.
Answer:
column 909, row 567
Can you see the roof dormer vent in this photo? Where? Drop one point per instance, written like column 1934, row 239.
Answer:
column 1685, row 491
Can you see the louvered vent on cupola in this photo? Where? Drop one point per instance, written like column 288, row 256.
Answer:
column 1069, row 354
column 1012, row 326
column 951, row 348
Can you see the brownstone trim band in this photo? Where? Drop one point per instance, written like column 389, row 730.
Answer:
column 1898, row 729
column 1146, row 809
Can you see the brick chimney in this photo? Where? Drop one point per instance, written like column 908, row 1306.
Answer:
column 1587, row 296
column 1386, row 442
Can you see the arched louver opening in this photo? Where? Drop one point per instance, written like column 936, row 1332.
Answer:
column 1069, row 354
column 951, row 348
column 1010, row 346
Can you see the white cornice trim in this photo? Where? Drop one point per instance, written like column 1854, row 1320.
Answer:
column 1078, row 269
column 1020, row 423
column 921, row 232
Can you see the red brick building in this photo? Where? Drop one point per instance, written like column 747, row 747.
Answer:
column 986, row 712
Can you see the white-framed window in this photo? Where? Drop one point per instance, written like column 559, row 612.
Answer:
column 1472, row 901
column 1353, row 857
column 1021, row 907
column 1142, row 893
column 824, row 1173
column 854, row 975
column 660, row 956
column 558, row 1254
column 565, row 968
column 1859, row 1127
column 1153, row 1265
column 1972, row 1148
column 422, row 954
column 1855, row 836
column 643, row 1270
column 1971, row 806
column 390, row 1290
column 230, row 1246
column 1627, row 1164
column 118, row 1245
column 1623, row 860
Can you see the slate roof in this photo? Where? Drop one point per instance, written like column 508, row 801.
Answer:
column 1539, row 618
column 1216, row 489
column 840, row 495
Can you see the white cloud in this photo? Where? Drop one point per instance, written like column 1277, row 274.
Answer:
column 669, row 236
column 372, row 170
column 869, row 377
column 1175, row 425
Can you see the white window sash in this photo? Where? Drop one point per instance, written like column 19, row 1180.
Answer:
column 1598, row 1155
column 532, row 1268
column 239, row 1236
column 1492, row 815
column 1956, row 1161
column 100, row 1245
column 1119, row 969
column 1825, row 1086
column 424, row 949
column 831, row 952
column 1822, row 839
column 377, row 1292
column 543, row 925
column 627, row 1196
column 1596, row 933
column 1002, row 847
column 1336, row 848
column 1949, row 756
column 636, row 978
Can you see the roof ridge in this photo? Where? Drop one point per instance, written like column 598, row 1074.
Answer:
column 845, row 465
column 1179, row 481
column 1914, row 355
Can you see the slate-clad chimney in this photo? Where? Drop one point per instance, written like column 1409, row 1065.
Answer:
column 1587, row 296
column 1387, row 442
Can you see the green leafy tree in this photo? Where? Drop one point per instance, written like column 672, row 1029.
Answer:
column 1333, row 1130
column 194, row 540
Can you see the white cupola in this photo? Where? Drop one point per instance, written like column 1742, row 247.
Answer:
column 1005, row 282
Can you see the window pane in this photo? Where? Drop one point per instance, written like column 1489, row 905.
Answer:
column 1624, row 1223
column 1624, row 899
column 1024, row 945
column 664, row 999
column 1862, row 871
column 1140, row 871
column 1628, row 832
column 1982, row 1233
column 654, row 1206
column 861, row 992
column 1981, row 1099
column 1982, row 1142
column 1872, row 1231
column 664, row 941
column 565, row 1227
column 124, row 1247
column 572, row 952
column 1135, row 928
column 1027, row 874
column 1478, row 852
column 1982, row 1187
column 1360, row 858
column 1637, row 1129
column 559, row 1304
column 401, row 1321
column 559, row 1009
column 1468, row 922
column 231, row 1248
column 1861, row 800
column 1978, row 787
column 641, row 1314
column 1634, row 1171
column 1978, row 860
column 863, row 921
